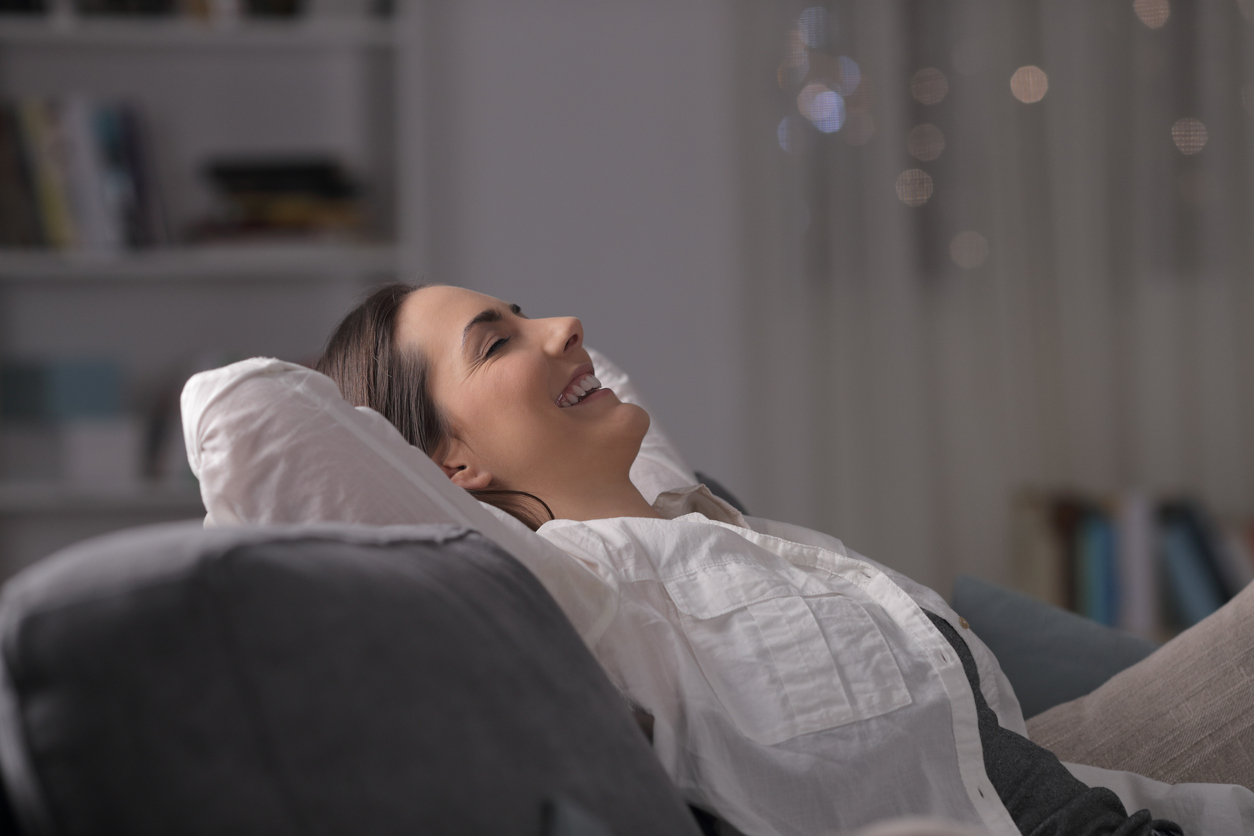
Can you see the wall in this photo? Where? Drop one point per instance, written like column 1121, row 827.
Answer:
column 583, row 160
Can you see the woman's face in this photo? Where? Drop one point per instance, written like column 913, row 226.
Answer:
column 508, row 385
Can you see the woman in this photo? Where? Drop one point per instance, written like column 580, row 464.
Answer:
column 794, row 687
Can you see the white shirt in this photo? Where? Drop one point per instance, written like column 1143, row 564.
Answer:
column 796, row 687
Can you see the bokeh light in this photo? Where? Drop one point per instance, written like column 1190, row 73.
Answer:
column 1189, row 135
column 850, row 76
column 968, row 249
column 796, row 64
column 914, row 186
column 925, row 142
column 812, row 24
column 929, row 86
column 1153, row 13
column 1029, row 84
column 824, row 107
column 790, row 134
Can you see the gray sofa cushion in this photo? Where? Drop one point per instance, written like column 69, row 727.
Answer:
column 314, row 679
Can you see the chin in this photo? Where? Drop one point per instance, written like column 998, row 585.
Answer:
column 629, row 424
column 640, row 420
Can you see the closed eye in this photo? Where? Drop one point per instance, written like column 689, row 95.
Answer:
column 496, row 345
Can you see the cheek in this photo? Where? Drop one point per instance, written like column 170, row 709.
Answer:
column 507, row 420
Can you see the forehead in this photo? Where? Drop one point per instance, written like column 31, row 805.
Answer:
column 432, row 319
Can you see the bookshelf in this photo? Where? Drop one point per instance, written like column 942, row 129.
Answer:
column 20, row 497
column 200, row 263
column 1152, row 566
column 300, row 33
column 327, row 83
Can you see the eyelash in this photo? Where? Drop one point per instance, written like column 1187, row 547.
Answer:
column 492, row 348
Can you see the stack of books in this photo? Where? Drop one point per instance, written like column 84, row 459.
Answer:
column 282, row 197
column 75, row 174
column 65, row 421
column 1150, row 567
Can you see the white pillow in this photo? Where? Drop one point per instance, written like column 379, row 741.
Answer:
column 659, row 467
column 275, row 443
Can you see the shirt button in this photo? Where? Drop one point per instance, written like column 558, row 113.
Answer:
column 964, row 623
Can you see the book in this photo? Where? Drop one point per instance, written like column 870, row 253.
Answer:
column 46, row 153
column 1038, row 552
column 1097, row 589
column 1207, row 543
column 1192, row 588
column 1140, row 612
column 1068, row 514
column 297, row 195
column 96, row 213
column 1236, row 555
column 19, row 217
column 1149, row 568
column 150, row 222
column 128, row 184
column 57, row 391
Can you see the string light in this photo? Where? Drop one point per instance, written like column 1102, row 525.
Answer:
column 925, row 142
column 1153, row 13
column 1029, row 84
column 968, row 249
column 929, row 86
column 914, row 187
column 1189, row 135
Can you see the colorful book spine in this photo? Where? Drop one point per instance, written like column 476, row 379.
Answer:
column 46, row 152
column 1192, row 590
column 95, row 214
column 20, row 224
column 1096, row 573
column 1149, row 569
column 1140, row 611
column 75, row 173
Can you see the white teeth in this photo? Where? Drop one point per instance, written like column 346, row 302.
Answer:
column 579, row 390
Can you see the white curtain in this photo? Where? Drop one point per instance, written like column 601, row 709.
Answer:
column 1099, row 336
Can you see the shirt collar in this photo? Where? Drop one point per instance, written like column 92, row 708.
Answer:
column 697, row 499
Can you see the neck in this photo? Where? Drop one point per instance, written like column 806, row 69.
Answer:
column 619, row 498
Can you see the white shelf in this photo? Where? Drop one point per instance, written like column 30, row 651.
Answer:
column 297, row 33
column 209, row 262
column 54, row 497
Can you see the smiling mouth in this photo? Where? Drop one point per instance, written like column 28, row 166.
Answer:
column 578, row 390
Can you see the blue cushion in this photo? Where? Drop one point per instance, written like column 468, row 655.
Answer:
column 1050, row 656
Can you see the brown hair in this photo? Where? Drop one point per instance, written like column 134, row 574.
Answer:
column 363, row 359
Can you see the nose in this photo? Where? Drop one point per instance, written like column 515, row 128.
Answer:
column 565, row 335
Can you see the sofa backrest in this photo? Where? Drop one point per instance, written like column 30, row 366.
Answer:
column 327, row 679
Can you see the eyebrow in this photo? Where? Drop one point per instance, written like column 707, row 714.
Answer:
column 484, row 317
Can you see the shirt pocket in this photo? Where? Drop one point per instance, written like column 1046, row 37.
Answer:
column 770, row 661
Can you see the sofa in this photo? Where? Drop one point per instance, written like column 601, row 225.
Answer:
column 285, row 673
column 340, row 679
column 317, row 679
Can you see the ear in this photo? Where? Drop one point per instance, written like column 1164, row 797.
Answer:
column 460, row 465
